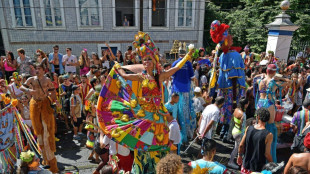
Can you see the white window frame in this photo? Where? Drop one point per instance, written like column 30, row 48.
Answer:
column 23, row 15
column 150, row 16
column 177, row 16
column 117, row 45
column 100, row 26
column 137, row 21
column 53, row 15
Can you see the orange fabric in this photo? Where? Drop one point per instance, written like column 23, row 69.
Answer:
column 41, row 111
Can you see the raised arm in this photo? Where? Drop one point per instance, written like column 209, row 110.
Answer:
column 171, row 71
column 112, row 55
column 132, row 77
column 26, row 86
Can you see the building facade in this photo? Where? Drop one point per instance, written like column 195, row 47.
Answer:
column 40, row 24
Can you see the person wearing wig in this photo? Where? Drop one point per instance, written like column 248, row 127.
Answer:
column 231, row 77
column 138, row 120
column 266, row 97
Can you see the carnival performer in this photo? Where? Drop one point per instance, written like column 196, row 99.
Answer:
column 138, row 121
column 42, row 91
column 267, row 99
column 181, row 84
column 231, row 78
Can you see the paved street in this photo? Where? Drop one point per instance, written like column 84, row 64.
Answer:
column 72, row 155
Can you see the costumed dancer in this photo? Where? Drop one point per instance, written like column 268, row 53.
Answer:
column 267, row 99
column 181, row 84
column 231, row 77
column 138, row 121
column 41, row 113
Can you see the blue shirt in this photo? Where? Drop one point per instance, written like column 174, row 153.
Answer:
column 51, row 57
column 207, row 167
column 172, row 109
column 182, row 79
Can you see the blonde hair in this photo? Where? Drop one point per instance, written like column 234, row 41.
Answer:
column 170, row 164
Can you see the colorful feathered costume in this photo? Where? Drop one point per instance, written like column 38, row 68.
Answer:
column 231, row 77
column 136, row 120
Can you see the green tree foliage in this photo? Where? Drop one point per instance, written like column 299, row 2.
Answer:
column 247, row 19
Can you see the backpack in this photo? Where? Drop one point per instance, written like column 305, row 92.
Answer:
column 298, row 143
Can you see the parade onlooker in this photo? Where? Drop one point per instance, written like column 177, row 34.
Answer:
column 65, row 91
column 119, row 57
column 198, row 102
column 174, row 132
column 302, row 159
column 17, row 93
column 70, row 61
column 210, row 116
column 76, row 112
column 297, row 170
column 172, row 106
column 170, row 164
column 206, row 163
column 255, row 145
column 84, row 62
column 239, row 119
column 128, row 56
column 22, row 61
column 9, row 64
column 301, row 118
column 55, row 60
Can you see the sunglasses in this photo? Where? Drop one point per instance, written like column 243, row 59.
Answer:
column 67, row 50
column 149, row 59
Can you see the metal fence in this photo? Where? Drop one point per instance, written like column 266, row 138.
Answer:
column 297, row 47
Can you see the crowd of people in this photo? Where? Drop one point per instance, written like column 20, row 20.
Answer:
column 65, row 89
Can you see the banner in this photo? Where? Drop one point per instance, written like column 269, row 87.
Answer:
column 6, row 128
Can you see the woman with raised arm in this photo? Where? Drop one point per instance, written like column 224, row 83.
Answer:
column 138, row 120
column 267, row 99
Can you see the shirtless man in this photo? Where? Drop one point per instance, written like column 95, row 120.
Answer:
column 300, row 159
column 41, row 114
column 54, row 59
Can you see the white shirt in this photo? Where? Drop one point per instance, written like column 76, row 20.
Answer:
column 15, row 90
column 106, row 64
column 112, row 150
column 71, row 59
column 203, row 79
column 211, row 112
column 174, row 134
column 198, row 103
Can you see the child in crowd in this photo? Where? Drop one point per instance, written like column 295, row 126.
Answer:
column 23, row 107
column 172, row 106
column 76, row 112
column 198, row 102
column 174, row 132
